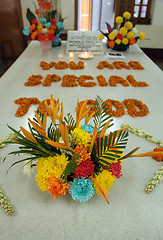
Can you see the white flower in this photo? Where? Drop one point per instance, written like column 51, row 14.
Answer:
column 134, row 30
column 115, row 31
column 44, row 30
column 28, row 169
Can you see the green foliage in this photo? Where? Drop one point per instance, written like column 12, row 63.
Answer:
column 70, row 121
column 101, row 114
column 51, row 15
column 71, row 166
column 30, row 16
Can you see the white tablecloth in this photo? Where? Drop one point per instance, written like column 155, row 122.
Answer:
column 132, row 214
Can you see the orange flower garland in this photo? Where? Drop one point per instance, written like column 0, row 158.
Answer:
column 25, row 104
column 132, row 105
column 158, row 158
column 51, row 78
column 46, row 66
column 113, row 80
column 83, row 83
column 33, row 80
column 120, row 65
column 69, row 81
column 74, row 66
column 102, row 81
column 105, row 64
column 136, row 65
column 118, row 105
column 134, row 83
column 61, row 65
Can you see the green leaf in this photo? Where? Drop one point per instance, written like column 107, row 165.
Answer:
column 30, row 16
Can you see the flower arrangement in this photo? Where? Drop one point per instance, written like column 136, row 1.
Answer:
column 70, row 157
column 124, row 35
column 44, row 25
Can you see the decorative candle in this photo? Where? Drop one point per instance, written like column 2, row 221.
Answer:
column 71, row 55
column 86, row 55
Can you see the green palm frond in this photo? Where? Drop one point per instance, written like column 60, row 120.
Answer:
column 101, row 114
column 70, row 121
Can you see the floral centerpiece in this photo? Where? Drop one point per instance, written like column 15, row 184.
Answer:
column 124, row 35
column 44, row 26
column 82, row 160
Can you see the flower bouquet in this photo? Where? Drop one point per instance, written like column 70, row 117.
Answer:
column 44, row 26
column 71, row 158
column 124, row 35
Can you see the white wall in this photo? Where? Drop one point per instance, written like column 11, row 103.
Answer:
column 154, row 31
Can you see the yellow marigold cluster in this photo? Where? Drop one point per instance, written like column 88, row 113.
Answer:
column 82, row 138
column 106, row 180
column 46, row 166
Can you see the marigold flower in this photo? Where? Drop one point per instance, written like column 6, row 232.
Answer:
column 130, row 35
column 84, row 155
column 118, row 41
column 141, row 36
column 112, row 36
column 127, row 15
column 123, row 31
column 106, row 179
column 119, row 19
column 38, row 31
column 128, row 25
column 57, row 187
column 132, row 41
column 32, row 27
column 33, row 35
column 125, row 41
column 111, row 44
column 119, row 36
column 53, row 26
column 46, row 37
column 40, row 26
column 101, row 37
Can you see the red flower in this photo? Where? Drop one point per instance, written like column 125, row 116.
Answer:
column 119, row 36
column 53, row 21
column 51, row 37
column 115, row 168
column 84, row 169
column 40, row 37
column 34, row 21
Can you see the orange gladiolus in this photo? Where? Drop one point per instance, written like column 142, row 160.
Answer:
column 53, row 26
column 33, row 35
column 46, row 37
column 111, row 44
column 132, row 41
column 32, row 27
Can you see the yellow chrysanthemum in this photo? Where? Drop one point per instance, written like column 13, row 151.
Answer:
column 129, row 25
column 127, row 15
column 123, row 31
column 82, row 138
column 40, row 26
column 118, row 41
column 119, row 19
column 141, row 36
column 125, row 41
column 130, row 35
column 46, row 166
column 111, row 36
column 101, row 37
column 106, row 180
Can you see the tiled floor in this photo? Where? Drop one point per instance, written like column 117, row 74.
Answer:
column 7, row 63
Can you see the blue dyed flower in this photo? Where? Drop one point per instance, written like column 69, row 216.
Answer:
column 81, row 189
column 42, row 20
column 26, row 31
column 60, row 25
column 47, row 25
column 88, row 128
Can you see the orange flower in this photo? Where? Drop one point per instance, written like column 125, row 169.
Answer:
column 38, row 31
column 83, row 154
column 111, row 44
column 53, row 26
column 132, row 41
column 46, row 37
column 50, row 30
column 33, row 35
column 32, row 27
column 57, row 187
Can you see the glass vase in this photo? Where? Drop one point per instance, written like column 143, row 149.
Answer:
column 46, row 45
